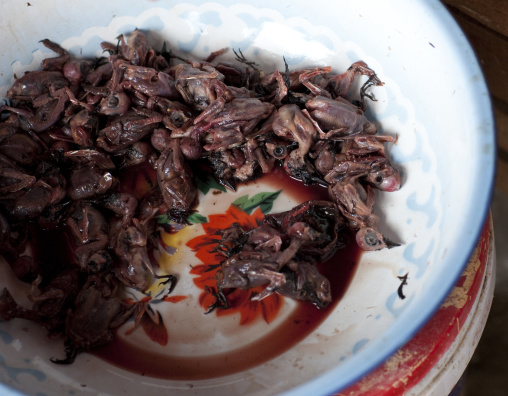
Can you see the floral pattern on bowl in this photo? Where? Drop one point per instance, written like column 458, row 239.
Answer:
column 437, row 216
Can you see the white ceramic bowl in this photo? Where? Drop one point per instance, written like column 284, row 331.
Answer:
column 434, row 101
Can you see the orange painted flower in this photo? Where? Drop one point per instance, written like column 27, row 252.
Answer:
column 150, row 319
column 239, row 301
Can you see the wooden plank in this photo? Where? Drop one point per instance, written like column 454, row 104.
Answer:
column 492, row 51
column 502, row 176
column 491, row 13
column 501, row 116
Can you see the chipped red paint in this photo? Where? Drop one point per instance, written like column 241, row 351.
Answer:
column 412, row 363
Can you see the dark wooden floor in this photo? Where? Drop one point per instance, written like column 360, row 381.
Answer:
column 485, row 23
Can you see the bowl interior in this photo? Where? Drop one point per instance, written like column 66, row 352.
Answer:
column 434, row 101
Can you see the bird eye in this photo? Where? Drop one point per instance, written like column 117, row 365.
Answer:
column 113, row 101
column 279, row 151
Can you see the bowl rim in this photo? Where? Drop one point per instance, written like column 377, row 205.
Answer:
column 339, row 377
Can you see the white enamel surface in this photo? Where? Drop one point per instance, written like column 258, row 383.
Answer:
column 434, row 101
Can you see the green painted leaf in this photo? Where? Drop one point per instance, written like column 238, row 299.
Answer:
column 196, row 218
column 264, row 200
column 206, row 181
column 163, row 219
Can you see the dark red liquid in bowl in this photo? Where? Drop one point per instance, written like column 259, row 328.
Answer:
column 339, row 270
